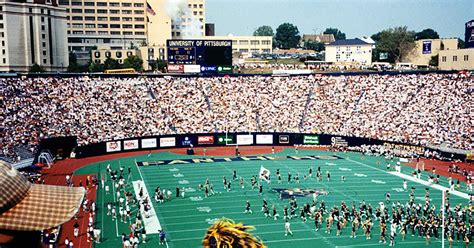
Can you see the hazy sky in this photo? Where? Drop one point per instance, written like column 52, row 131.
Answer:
column 355, row 18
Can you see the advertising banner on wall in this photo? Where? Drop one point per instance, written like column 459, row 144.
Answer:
column 208, row 69
column 186, row 141
column 311, row 140
column 244, row 139
column 192, row 68
column 283, row 139
column 223, row 139
column 427, row 47
column 149, row 143
column 130, row 144
column 224, row 69
column 264, row 139
column 167, row 142
column 202, row 140
column 113, row 146
column 175, row 68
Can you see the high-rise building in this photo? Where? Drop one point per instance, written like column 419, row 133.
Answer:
column 116, row 23
column 190, row 20
column 32, row 31
column 121, row 24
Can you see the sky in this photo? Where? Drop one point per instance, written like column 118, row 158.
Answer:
column 355, row 18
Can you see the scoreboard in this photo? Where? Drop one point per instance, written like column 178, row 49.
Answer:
column 182, row 55
column 200, row 52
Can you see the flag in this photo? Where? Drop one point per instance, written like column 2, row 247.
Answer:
column 149, row 9
column 264, row 174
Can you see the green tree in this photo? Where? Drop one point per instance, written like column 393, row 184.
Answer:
column 96, row 67
column 110, row 64
column 287, row 36
column 338, row 35
column 398, row 42
column 161, row 65
column 314, row 45
column 461, row 44
column 434, row 60
column 134, row 62
column 73, row 66
column 263, row 31
column 427, row 34
column 35, row 68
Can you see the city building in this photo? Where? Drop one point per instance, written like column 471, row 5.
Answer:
column 457, row 59
column 32, row 32
column 189, row 21
column 117, row 23
column 148, row 54
column 325, row 38
column 122, row 25
column 349, row 51
column 425, row 49
column 246, row 44
column 210, row 29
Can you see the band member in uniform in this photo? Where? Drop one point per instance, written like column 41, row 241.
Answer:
column 288, row 228
column 247, row 208
column 275, row 213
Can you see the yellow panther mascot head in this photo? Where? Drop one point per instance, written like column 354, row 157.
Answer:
column 226, row 234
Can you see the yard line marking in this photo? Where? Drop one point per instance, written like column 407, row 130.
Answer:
column 434, row 186
column 420, row 181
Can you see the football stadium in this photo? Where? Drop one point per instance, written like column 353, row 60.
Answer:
column 251, row 161
column 135, row 124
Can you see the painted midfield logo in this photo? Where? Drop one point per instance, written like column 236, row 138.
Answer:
column 296, row 192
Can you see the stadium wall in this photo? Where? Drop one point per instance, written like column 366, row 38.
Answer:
column 153, row 75
column 240, row 139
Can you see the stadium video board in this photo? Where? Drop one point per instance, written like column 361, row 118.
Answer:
column 209, row 54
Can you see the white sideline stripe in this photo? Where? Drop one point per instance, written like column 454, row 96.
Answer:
column 410, row 178
column 152, row 224
column 426, row 183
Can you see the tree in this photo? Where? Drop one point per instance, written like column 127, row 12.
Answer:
column 161, row 65
column 96, row 67
column 338, row 35
column 110, row 64
column 73, row 66
column 461, row 44
column 398, row 42
column 427, row 34
column 134, row 62
column 35, row 68
column 314, row 45
column 434, row 60
column 263, row 31
column 287, row 36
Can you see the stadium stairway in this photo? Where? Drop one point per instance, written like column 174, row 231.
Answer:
column 56, row 175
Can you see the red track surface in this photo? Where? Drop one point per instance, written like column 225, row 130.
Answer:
column 57, row 176
column 442, row 167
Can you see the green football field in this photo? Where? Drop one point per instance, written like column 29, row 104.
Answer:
column 185, row 220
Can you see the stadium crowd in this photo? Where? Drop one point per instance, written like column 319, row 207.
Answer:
column 418, row 109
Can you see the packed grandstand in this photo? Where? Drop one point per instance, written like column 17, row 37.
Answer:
column 418, row 109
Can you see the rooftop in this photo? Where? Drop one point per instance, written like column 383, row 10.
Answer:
column 348, row 42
